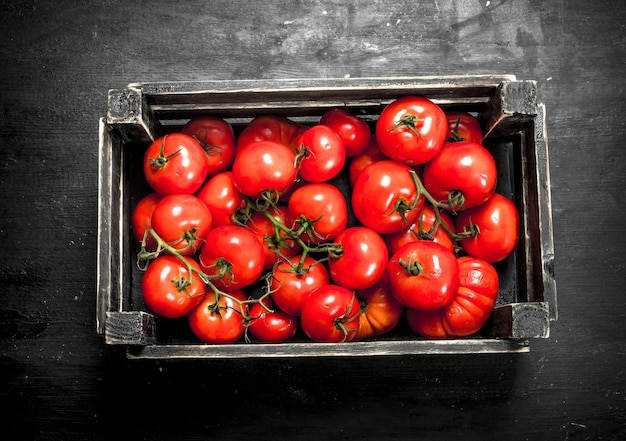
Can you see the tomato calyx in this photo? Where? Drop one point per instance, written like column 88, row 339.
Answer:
column 409, row 122
column 456, row 200
column 412, row 267
column 340, row 322
column 209, row 149
column 161, row 160
column 454, row 133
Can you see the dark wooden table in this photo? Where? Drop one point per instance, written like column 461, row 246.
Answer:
column 58, row 381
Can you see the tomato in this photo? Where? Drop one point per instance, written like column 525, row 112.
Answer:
column 168, row 289
column 330, row 314
column 371, row 154
column 141, row 220
column 222, row 198
column 183, row 221
column 425, row 227
column 385, row 197
column 293, row 282
column 217, row 138
column 380, row 311
column 463, row 126
column 271, row 128
column 264, row 166
column 323, row 207
column 470, row 309
column 411, row 129
column 494, row 226
column 271, row 325
column 463, row 175
column 362, row 260
column 353, row 131
column 175, row 163
column 221, row 321
column 321, row 153
column 423, row 275
column 233, row 256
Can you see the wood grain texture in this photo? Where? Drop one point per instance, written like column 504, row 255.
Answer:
column 58, row 62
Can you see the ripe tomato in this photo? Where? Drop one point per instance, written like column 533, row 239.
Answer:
column 385, row 197
column 425, row 227
column 324, row 206
column 271, row 128
column 370, row 155
column 292, row 283
column 221, row 321
column 423, row 275
column 264, row 166
column 411, row 129
column 463, row 127
column 235, row 253
column 322, row 154
column 494, row 226
column 380, row 311
column 217, row 138
column 462, row 175
column 222, row 198
column 168, row 289
column 362, row 260
column 141, row 220
column 175, row 163
column 183, row 221
column 330, row 314
column 271, row 325
column 353, row 131
column 470, row 309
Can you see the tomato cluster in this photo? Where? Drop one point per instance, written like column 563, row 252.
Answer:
column 340, row 228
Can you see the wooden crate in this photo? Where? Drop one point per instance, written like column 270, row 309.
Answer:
column 514, row 129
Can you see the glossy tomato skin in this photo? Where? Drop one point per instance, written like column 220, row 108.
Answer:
column 363, row 259
column 269, row 324
column 175, row 163
column 470, row 309
column 379, row 189
column 370, row 155
column 275, row 244
column 423, row 275
column 290, row 288
column 141, row 219
column 464, row 167
column 217, row 138
column 353, row 131
column 330, row 314
column 323, row 154
column 222, row 198
column 183, row 221
column 462, row 126
column 412, row 130
column 271, row 128
column 498, row 226
column 380, row 311
column 227, row 325
column 168, row 289
column 264, row 166
column 239, row 249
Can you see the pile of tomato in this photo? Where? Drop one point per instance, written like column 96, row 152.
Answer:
column 341, row 229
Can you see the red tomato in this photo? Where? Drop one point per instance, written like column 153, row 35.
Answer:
column 271, row 128
column 469, row 310
column 423, row 275
column 217, row 138
column 425, row 227
column 463, row 175
column 362, row 260
column 175, row 163
column 330, row 314
column 168, row 289
column 141, row 220
column 353, row 131
column 385, row 197
column 411, row 129
column 494, row 226
column 371, row 154
column 235, row 253
column 324, row 206
column 271, row 325
column 322, row 154
column 463, row 127
column 380, row 311
column 183, row 221
column 292, row 283
column 219, row 322
column 222, row 198
column 264, row 166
